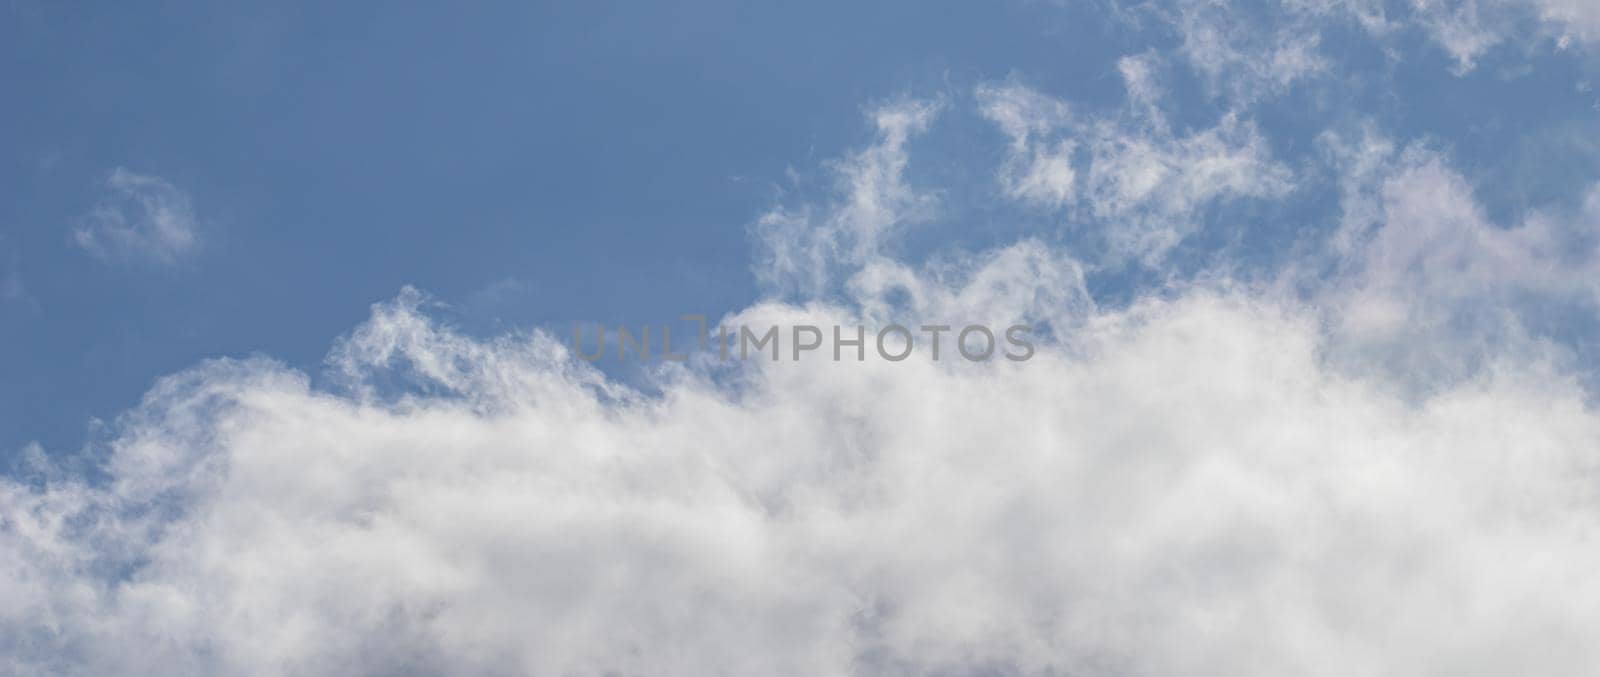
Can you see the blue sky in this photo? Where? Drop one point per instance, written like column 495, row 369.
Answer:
column 524, row 163
column 284, row 294
column 533, row 165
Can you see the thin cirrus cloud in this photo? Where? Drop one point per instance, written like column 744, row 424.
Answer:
column 1131, row 168
column 802, row 249
column 1374, row 460
column 1581, row 19
column 1248, row 58
column 140, row 218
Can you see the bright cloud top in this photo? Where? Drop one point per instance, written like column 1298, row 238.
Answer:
column 1379, row 458
column 1186, row 487
column 1185, row 484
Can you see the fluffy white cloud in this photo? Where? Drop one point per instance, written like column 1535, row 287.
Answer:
column 1183, row 486
column 1190, row 483
column 142, row 218
column 1376, row 467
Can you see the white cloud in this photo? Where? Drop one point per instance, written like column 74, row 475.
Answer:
column 1248, row 52
column 1027, row 281
column 1573, row 19
column 1248, row 58
column 1213, row 478
column 1038, row 168
column 1467, row 29
column 142, row 218
column 800, row 247
column 1426, row 286
column 1185, row 488
column 1456, row 26
column 1144, row 182
column 1152, row 185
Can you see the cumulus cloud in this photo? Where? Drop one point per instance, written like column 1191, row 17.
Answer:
column 141, row 218
column 1182, row 486
column 1381, row 464
column 1189, row 483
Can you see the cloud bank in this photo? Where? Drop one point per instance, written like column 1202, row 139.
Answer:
column 1379, row 459
column 1184, row 486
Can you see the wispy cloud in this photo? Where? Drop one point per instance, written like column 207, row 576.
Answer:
column 1130, row 172
column 1039, row 164
column 1246, row 56
column 140, row 218
column 1427, row 285
column 801, row 248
